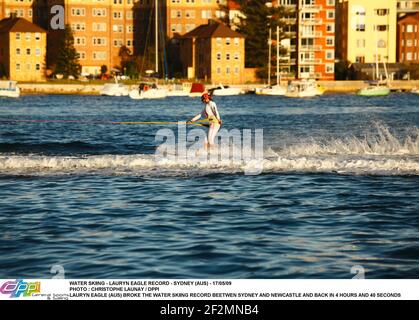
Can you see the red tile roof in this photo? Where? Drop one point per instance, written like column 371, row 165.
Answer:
column 213, row 30
column 18, row 25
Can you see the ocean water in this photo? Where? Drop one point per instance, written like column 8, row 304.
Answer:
column 339, row 188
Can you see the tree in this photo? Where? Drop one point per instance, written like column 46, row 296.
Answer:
column 259, row 18
column 103, row 69
column 68, row 58
column 3, row 71
column 342, row 70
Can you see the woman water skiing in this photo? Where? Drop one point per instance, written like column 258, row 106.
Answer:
column 210, row 113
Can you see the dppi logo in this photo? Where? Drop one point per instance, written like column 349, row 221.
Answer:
column 19, row 287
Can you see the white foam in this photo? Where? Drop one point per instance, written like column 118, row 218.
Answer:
column 147, row 164
column 378, row 153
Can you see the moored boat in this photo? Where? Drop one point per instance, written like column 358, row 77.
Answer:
column 9, row 89
column 147, row 91
column 375, row 90
column 114, row 89
column 304, row 89
column 225, row 91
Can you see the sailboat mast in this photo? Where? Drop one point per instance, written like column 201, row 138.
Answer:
column 277, row 55
column 376, row 54
column 157, row 36
column 270, row 55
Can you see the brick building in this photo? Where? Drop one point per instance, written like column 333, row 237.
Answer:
column 22, row 50
column 213, row 52
column 408, row 38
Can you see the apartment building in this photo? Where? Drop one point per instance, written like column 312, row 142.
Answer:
column 22, row 50
column 310, row 39
column 101, row 28
column 17, row 8
column 367, row 30
column 213, row 52
column 178, row 17
column 408, row 38
column 407, row 6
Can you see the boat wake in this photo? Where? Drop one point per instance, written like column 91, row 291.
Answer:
column 375, row 154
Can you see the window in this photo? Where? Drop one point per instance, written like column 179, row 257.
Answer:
column 28, row 51
column 330, row 28
column 117, row 15
column 218, row 41
column 227, row 56
column 360, row 59
column 38, row 67
column 17, row 35
column 360, row 43
column 18, row 51
column 381, row 12
column 28, row 36
column 99, row 12
column 409, row 28
column 409, row 56
column 80, row 41
column 206, row 14
column 190, row 14
column 330, row 14
column 218, row 56
column 99, row 55
column 218, row 70
column 38, row 52
column 360, row 27
column 99, row 41
column 330, row 2
column 118, row 28
column 307, row 41
column 228, row 70
column 381, row 27
column 236, row 70
column 78, row 26
column 228, row 41
column 330, row 68
column 330, row 54
column 236, row 41
column 236, row 56
column 37, row 36
column 99, row 26
column 330, row 41
column 17, row 66
column 118, row 43
column 78, row 12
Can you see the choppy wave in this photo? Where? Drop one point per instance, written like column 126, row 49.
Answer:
column 381, row 153
column 148, row 164
column 380, row 142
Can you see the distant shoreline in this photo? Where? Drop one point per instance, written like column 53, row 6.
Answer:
column 94, row 89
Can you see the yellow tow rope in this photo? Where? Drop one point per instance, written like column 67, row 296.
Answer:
column 162, row 123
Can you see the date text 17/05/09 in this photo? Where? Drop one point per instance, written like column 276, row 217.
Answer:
column 211, row 309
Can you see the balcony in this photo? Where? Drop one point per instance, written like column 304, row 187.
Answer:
column 310, row 8
column 311, row 61
column 287, row 62
column 316, row 34
column 311, row 48
column 310, row 22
